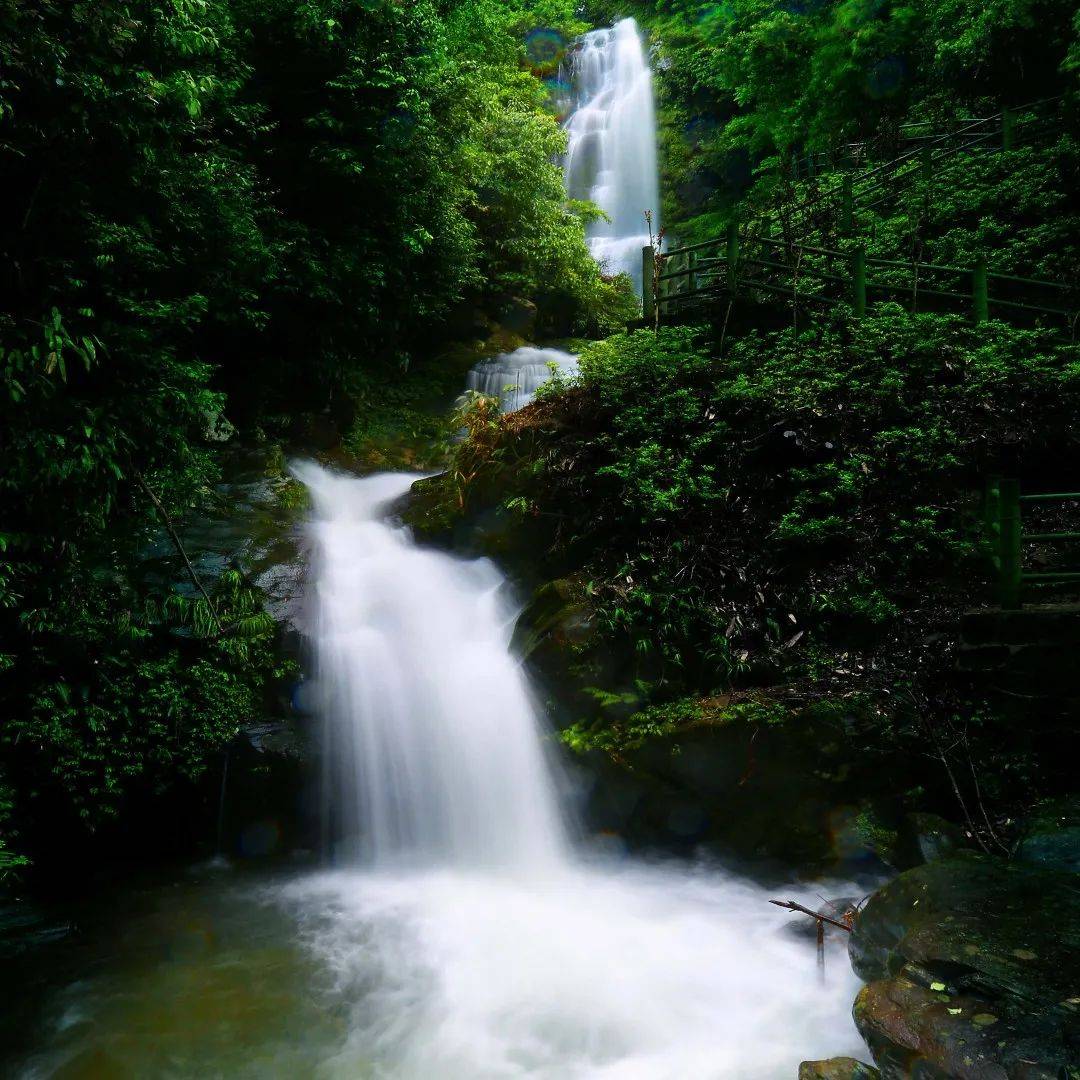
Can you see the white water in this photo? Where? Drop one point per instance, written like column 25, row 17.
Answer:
column 431, row 741
column 515, row 377
column 469, row 941
column 611, row 158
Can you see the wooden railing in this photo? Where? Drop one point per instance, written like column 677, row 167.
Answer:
column 1006, row 129
column 807, row 274
column 872, row 188
column 1003, row 504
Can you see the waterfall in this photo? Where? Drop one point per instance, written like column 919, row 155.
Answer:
column 432, row 748
column 611, row 155
column 463, row 936
column 515, row 377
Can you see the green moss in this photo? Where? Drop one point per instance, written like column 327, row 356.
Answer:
column 666, row 721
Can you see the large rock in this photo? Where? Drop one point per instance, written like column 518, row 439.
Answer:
column 935, row 838
column 974, row 971
column 1052, row 836
column 839, row 1068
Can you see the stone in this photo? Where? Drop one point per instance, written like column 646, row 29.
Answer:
column 838, row 1068
column 1052, row 836
column 972, row 963
column 935, row 837
column 519, row 317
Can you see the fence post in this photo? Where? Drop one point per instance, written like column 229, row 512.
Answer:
column 992, row 511
column 733, row 255
column 858, row 281
column 927, row 157
column 980, row 291
column 1009, row 574
column 847, row 204
column 648, row 298
column 991, row 514
column 691, row 272
column 1008, row 129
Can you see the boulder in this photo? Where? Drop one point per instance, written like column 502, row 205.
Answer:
column 973, row 965
column 1052, row 836
column 838, row 1068
column 935, row 837
column 913, row 1030
column 518, row 316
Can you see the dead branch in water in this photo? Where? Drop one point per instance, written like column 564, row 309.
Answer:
column 792, row 906
column 821, row 920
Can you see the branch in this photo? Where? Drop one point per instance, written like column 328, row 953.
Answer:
column 174, row 536
column 792, row 906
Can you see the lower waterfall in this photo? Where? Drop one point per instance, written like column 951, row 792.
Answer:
column 466, row 935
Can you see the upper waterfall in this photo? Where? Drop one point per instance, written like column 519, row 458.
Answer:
column 515, row 377
column 611, row 157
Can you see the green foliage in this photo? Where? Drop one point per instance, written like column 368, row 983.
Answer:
column 670, row 720
column 776, row 513
column 747, row 85
column 225, row 213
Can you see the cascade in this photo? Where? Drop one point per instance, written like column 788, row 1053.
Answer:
column 431, row 744
column 611, row 160
column 515, row 377
column 464, row 933
column 611, row 156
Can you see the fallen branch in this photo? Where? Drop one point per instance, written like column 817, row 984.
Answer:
column 175, row 537
column 792, row 906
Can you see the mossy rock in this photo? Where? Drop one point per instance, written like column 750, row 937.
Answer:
column 838, row 1068
column 935, row 837
column 431, row 510
column 559, row 619
column 974, row 970
column 736, row 782
column 1052, row 835
column 915, row 1028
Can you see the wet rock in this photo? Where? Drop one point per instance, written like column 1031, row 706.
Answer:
column 24, row 928
column 838, row 1068
column 559, row 618
column 935, row 837
column 771, row 795
column 519, row 317
column 974, row 971
column 1052, row 837
column 913, row 1030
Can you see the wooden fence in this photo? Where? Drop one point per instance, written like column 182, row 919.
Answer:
column 847, row 191
column 1005, row 130
column 752, row 265
column 1003, row 505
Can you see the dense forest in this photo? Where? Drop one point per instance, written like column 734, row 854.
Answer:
column 756, row 530
column 225, row 217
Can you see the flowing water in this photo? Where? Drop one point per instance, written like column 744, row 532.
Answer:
column 515, row 377
column 611, row 160
column 464, row 931
column 464, row 934
column 611, row 157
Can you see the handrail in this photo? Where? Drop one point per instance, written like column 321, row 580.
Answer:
column 964, row 122
column 684, row 276
column 1002, row 503
column 857, row 191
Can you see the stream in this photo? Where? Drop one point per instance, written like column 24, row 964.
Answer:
column 461, row 927
column 459, row 924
